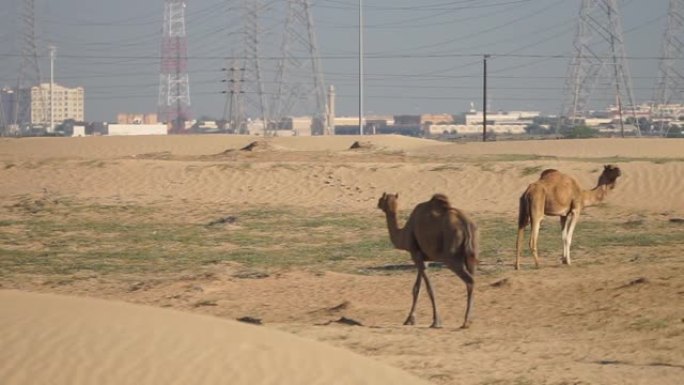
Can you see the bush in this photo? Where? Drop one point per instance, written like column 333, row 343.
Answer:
column 577, row 132
column 675, row 132
column 537, row 129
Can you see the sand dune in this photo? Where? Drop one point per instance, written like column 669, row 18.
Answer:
column 51, row 339
column 331, row 176
column 113, row 147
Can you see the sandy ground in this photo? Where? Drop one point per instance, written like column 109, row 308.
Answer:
column 118, row 343
column 620, row 321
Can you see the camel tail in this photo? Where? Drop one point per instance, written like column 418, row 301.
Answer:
column 524, row 211
column 471, row 245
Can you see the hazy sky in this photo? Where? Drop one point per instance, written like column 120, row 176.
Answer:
column 418, row 58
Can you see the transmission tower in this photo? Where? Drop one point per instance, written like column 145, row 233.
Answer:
column 253, row 85
column 299, row 77
column 29, row 73
column 174, row 82
column 671, row 76
column 234, row 112
column 599, row 60
column 272, row 90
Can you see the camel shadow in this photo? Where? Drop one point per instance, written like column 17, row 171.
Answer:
column 405, row 267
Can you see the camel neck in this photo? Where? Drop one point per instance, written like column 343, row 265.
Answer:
column 395, row 232
column 594, row 196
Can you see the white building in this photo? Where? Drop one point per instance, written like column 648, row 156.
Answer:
column 474, row 129
column 499, row 122
column 78, row 131
column 500, row 117
column 667, row 112
column 136, row 129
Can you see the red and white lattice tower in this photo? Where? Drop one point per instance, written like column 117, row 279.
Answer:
column 174, row 82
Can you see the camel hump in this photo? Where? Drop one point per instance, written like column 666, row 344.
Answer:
column 441, row 201
column 547, row 172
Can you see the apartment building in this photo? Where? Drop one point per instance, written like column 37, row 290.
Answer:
column 67, row 103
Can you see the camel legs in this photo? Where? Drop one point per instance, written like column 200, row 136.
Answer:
column 564, row 235
column 411, row 319
column 421, row 274
column 534, row 238
column 568, row 230
column 436, row 321
column 467, row 277
column 519, row 245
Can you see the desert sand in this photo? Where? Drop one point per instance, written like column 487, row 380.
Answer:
column 67, row 340
column 615, row 317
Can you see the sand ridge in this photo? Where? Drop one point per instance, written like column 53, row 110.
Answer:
column 67, row 340
column 325, row 173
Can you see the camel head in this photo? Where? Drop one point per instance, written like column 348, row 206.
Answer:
column 609, row 176
column 388, row 203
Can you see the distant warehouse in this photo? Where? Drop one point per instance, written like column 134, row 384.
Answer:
column 136, row 129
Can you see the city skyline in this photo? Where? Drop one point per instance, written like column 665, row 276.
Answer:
column 418, row 59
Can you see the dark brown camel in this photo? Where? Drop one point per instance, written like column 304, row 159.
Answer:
column 437, row 232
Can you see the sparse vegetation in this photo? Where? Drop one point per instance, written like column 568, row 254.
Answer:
column 648, row 324
column 205, row 302
column 578, row 132
column 532, row 170
column 446, row 167
column 110, row 239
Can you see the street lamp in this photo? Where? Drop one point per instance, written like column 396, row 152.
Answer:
column 53, row 51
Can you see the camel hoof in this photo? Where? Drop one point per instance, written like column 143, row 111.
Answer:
column 411, row 320
column 517, row 267
column 436, row 326
column 465, row 326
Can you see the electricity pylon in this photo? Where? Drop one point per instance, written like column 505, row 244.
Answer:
column 272, row 90
column 29, row 72
column 671, row 74
column 299, row 76
column 174, row 82
column 599, row 59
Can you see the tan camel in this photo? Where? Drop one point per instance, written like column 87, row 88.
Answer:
column 435, row 231
column 558, row 194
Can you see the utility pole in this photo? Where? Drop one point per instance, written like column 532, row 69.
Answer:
column 484, row 98
column 330, row 119
column 234, row 110
column 53, row 51
column 616, row 70
column 361, row 67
